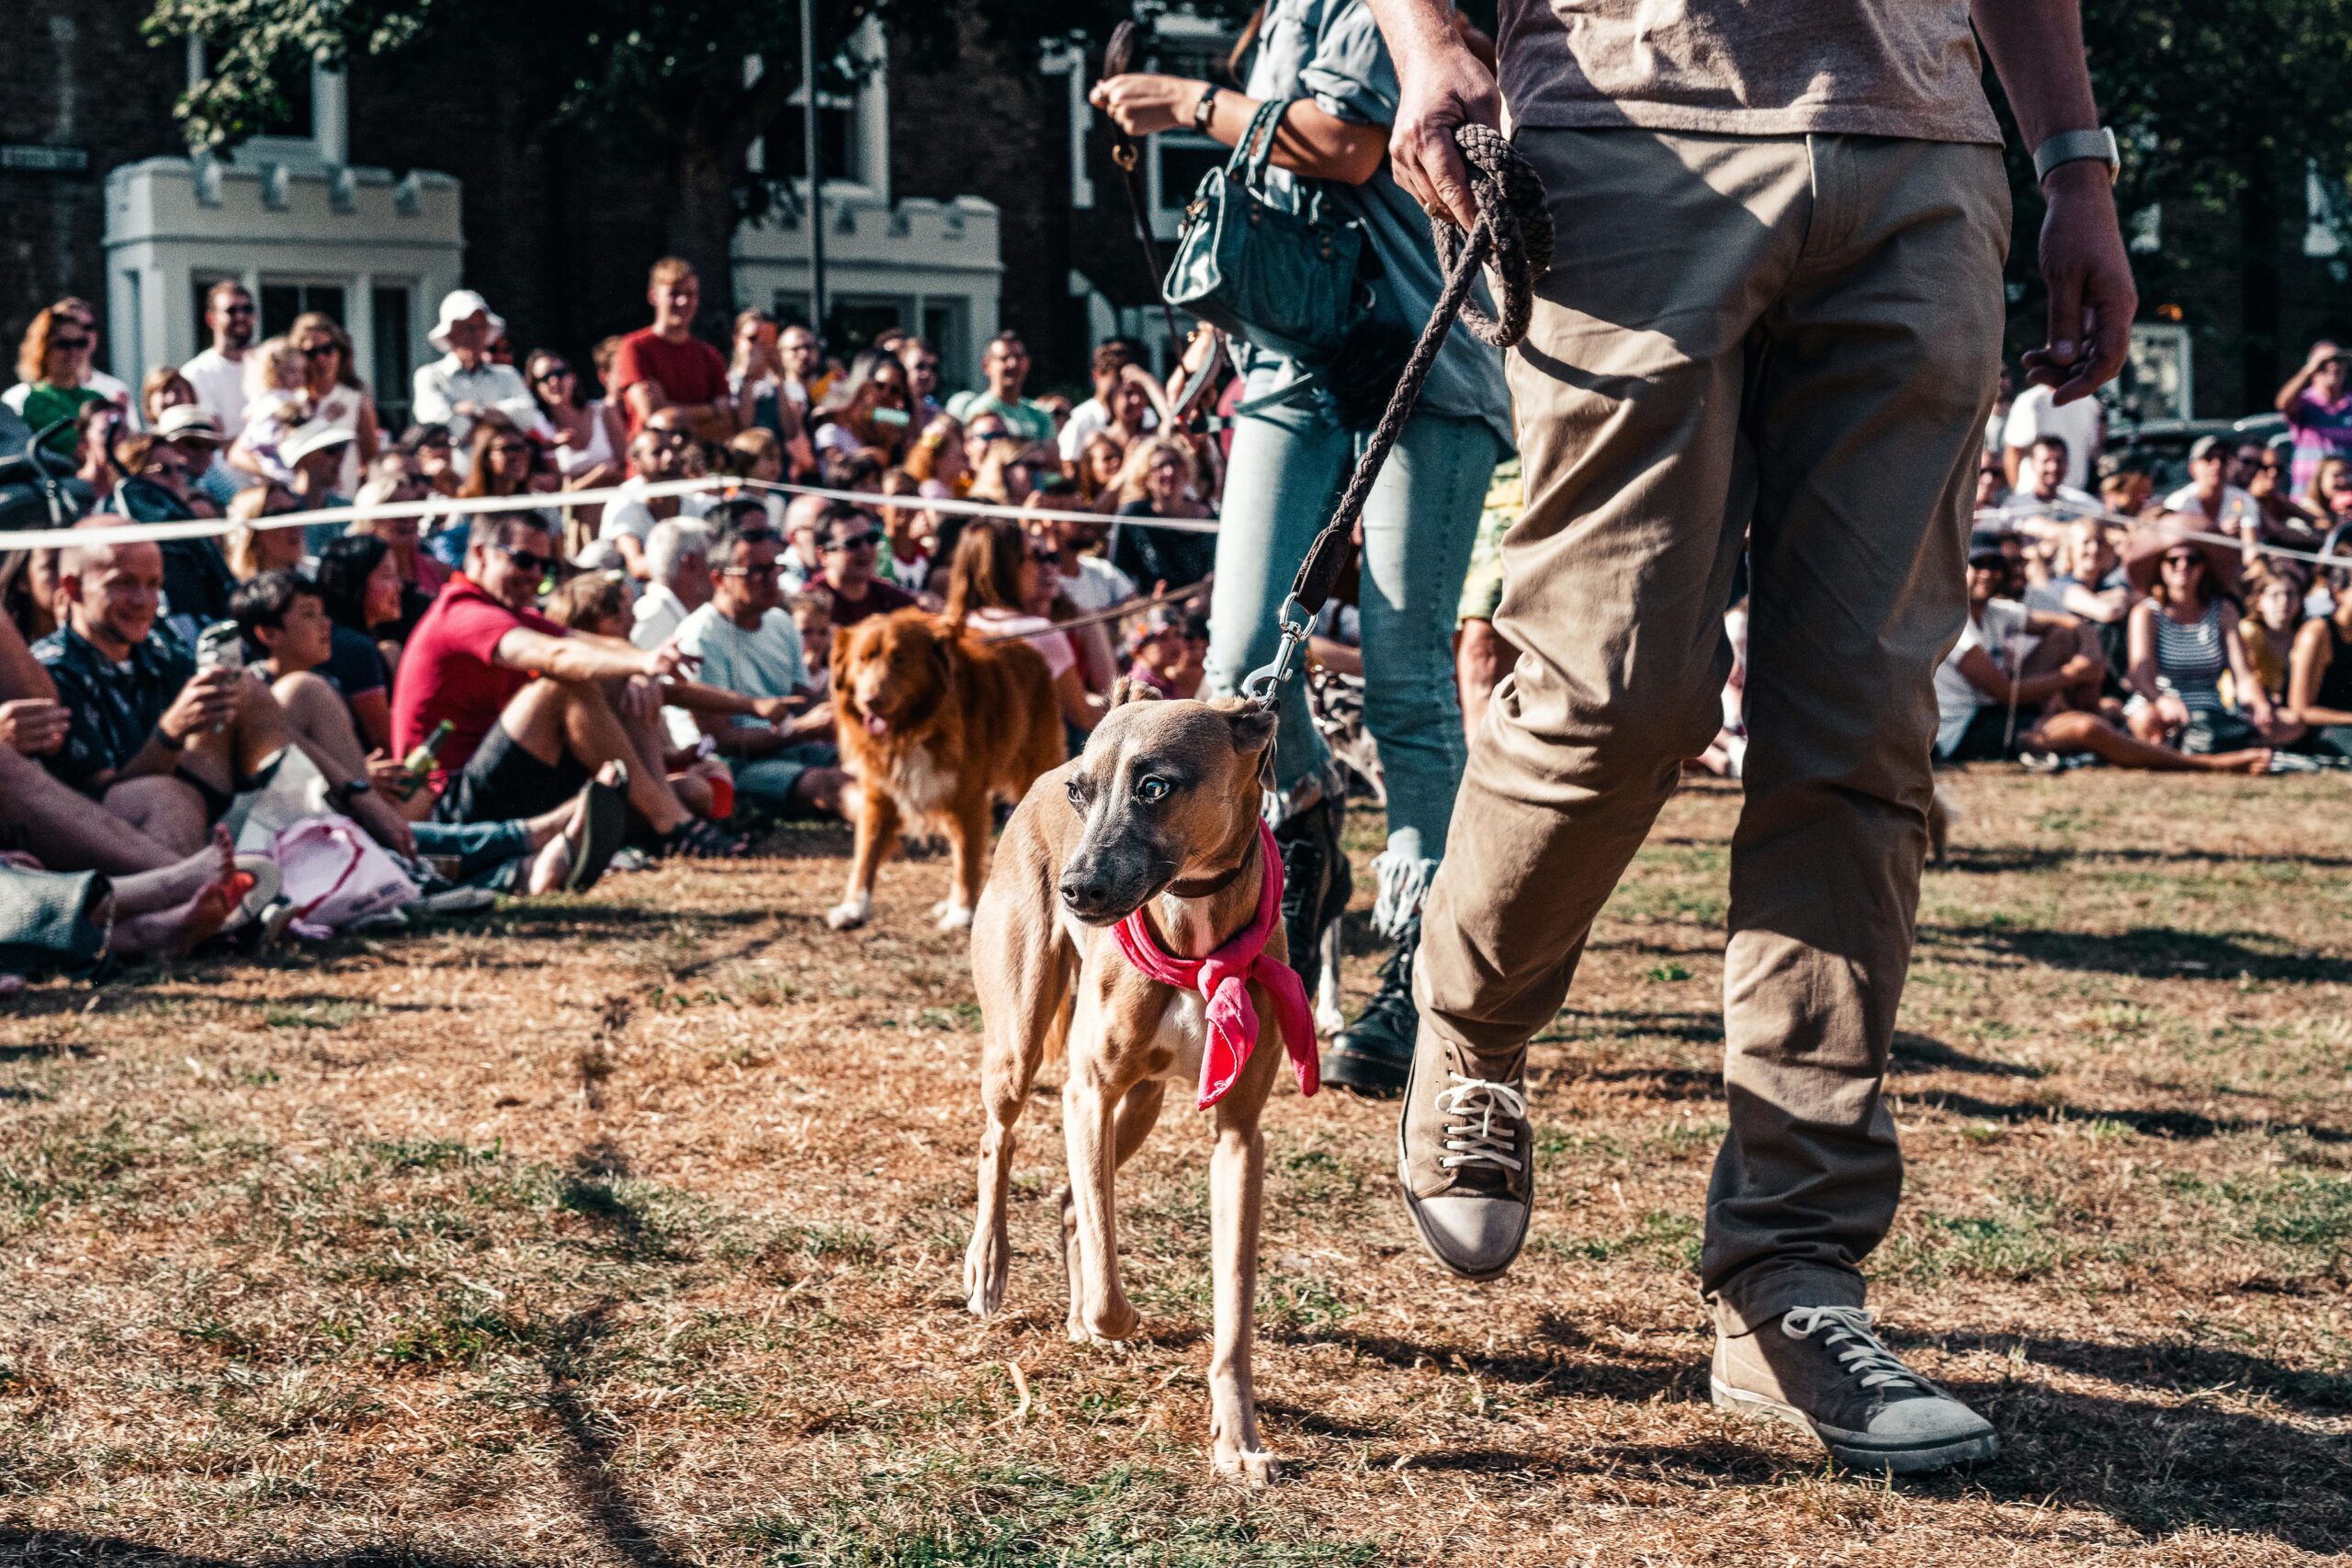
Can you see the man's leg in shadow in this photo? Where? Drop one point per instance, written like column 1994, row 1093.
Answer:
column 549, row 719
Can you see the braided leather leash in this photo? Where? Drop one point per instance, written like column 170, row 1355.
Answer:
column 1513, row 230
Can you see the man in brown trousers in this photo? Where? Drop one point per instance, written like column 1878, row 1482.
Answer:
column 1773, row 320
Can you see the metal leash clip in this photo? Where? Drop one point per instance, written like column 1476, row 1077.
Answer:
column 1262, row 685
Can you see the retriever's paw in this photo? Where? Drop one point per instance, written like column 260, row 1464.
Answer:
column 849, row 913
column 953, row 916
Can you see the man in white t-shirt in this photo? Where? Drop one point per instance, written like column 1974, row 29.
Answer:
column 2218, row 506
column 1991, row 688
column 219, row 373
column 747, row 643
column 2082, row 425
column 1090, row 418
column 2041, row 488
column 677, row 554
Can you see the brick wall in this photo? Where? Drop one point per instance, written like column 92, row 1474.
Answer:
column 79, row 75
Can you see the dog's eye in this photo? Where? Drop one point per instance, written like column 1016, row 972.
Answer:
column 1151, row 791
column 1077, row 792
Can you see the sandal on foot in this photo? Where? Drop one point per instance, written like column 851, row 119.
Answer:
column 605, row 821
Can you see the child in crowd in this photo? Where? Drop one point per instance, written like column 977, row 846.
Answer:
column 279, row 405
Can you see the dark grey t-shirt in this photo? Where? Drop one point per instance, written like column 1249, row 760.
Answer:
column 1906, row 68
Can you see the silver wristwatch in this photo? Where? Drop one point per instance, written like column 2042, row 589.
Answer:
column 2078, row 146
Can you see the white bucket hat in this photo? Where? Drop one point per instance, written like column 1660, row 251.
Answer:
column 456, row 305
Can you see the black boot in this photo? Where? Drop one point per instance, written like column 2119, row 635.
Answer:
column 1373, row 1055
column 1315, row 884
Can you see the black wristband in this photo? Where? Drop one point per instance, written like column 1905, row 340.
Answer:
column 167, row 743
column 1204, row 109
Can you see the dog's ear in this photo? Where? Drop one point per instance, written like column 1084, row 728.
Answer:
column 1127, row 689
column 944, row 654
column 1253, row 727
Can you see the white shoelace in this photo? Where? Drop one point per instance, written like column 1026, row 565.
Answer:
column 1850, row 1341
column 1480, row 1141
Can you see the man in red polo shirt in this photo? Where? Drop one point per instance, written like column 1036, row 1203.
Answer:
column 665, row 366
column 525, row 699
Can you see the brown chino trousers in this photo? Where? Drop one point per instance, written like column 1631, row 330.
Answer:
column 1788, row 342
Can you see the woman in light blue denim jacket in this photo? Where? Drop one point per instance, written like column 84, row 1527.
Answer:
column 1288, row 465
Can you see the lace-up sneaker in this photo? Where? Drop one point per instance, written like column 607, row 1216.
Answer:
column 1465, row 1154
column 1822, row 1371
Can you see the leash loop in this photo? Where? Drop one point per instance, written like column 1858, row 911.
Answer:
column 1514, row 231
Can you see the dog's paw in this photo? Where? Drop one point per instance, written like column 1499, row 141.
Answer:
column 1106, row 1324
column 953, row 916
column 1256, row 1466
column 850, row 914
column 984, row 1272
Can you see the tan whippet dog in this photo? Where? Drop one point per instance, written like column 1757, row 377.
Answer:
column 1159, row 814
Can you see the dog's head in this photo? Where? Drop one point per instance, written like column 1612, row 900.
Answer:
column 1169, row 792
column 892, row 671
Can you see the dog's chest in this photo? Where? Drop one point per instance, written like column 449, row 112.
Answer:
column 918, row 783
column 1178, row 1040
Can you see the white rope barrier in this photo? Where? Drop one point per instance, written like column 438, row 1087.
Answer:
column 2070, row 511
column 433, row 506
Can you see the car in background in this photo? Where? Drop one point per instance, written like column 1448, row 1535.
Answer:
column 2159, row 447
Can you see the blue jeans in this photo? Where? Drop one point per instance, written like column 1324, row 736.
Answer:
column 485, row 851
column 1286, row 470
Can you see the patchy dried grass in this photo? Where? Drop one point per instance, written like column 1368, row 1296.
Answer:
column 628, row 1230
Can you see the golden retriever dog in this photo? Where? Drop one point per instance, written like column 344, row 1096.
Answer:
column 937, row 726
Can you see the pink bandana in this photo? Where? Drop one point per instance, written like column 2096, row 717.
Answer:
column 1223, row 977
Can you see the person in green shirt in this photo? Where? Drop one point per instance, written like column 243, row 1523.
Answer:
column 54, row 363
column 1006, row 364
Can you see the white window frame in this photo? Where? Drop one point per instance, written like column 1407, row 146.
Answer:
column 329, row 144
column 869, row 107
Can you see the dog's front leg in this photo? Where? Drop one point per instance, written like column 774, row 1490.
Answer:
column 1102, row 1311
column 877, row 828
column 967, row 848
column 1237, row 1186
column 1138, row 1112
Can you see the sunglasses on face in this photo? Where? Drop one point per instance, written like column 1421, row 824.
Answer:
column 554, row 372
column 2182, row 563
column 922, row 365
column 320, row 350
column 528, row 561
column 244, row 309
column 755, row 536
column 68, row 344
column 755, row 572
column 864, row 541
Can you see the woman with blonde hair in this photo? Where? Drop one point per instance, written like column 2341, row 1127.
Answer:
column 1096, row 473
column 499, row 465
column 338, row 397
column 937, row 457
column 1156, row 484
column 993, row 580
column 253, row 550
column 2185, row 637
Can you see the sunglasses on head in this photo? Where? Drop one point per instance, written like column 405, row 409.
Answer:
column 529, row 561
column 864, row 541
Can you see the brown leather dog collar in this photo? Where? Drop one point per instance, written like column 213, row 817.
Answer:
column 1217, row 884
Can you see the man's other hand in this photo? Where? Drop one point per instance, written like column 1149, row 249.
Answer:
column 2092, row 297
column 33, row 726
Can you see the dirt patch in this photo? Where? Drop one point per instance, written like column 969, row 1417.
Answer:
column 627, row 1229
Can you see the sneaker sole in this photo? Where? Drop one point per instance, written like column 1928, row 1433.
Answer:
column 1906, row 1459
column 1429, row 1245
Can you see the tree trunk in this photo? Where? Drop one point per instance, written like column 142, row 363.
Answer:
column 700, row 222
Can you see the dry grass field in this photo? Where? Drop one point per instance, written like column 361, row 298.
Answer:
column 628, row 1230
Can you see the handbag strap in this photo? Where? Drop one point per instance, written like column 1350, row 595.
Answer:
column 1256, row 148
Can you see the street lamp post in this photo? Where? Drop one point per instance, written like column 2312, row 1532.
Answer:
column 815, row 167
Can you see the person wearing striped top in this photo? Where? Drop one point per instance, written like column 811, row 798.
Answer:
column 2184, row 639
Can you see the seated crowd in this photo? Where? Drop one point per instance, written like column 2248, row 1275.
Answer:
column 520, row 694
column 517, row 691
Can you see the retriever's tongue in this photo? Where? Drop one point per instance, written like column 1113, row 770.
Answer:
column 877, row 725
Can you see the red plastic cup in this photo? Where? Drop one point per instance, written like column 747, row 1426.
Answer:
column 722, row 796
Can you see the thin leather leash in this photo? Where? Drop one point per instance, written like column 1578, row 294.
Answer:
column 1514, row 226
column 1117, row 57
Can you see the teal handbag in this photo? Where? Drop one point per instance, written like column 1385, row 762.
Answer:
column 1289, row 282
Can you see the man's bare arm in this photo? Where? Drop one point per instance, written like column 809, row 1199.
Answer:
column 2037, row 48
column 1443, row 85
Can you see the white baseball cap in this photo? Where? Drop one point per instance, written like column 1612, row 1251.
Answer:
column 316, row 436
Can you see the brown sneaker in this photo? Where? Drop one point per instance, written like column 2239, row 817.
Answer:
column 1822, row 1371
column 1465, row 1154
